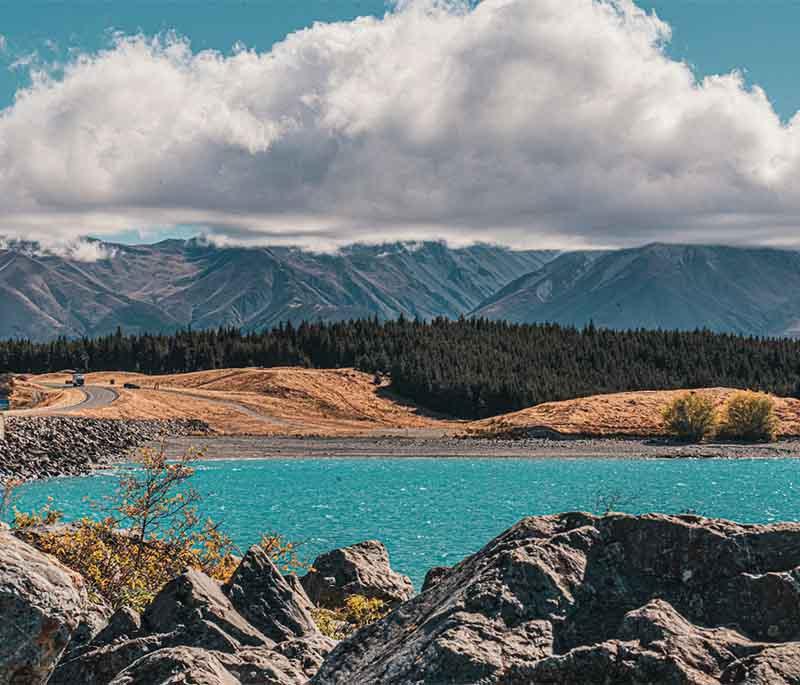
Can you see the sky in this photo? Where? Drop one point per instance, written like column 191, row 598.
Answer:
column 533, row 123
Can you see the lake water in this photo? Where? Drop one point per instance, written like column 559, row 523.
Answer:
column 432, row 512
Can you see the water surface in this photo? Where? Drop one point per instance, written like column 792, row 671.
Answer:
column 436, row 511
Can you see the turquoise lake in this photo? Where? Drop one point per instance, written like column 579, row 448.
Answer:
column 433, row 512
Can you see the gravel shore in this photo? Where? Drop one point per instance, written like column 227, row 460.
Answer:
column 284, row 447
column 51, row 446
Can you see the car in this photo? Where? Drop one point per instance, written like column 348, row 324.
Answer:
column 131, row 386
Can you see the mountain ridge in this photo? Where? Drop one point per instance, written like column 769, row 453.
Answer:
column 179, row 283
column 748, row 291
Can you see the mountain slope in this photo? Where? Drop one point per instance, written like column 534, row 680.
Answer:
column 188, row 283
column 739, row 290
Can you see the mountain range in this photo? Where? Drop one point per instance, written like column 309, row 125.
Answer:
column 178, row 283
column 751, row 291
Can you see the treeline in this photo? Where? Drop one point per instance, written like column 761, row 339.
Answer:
column 466, row 368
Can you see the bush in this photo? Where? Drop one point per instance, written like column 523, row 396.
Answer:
column 690, row 417
column 750, row 416
column 358, row 611
column 148, row 533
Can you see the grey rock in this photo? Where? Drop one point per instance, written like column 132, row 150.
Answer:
column 361, row 569
column 191, row 602
column 183, row 665
column 263, row 597
column 576, row 599
column 434, row 576
column 125, row 623
column 41, row 605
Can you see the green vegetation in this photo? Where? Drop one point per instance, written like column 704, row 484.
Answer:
column 690, row 417
column 148, row 533
column 750, row 417
column 465, row 368
column 357, row 612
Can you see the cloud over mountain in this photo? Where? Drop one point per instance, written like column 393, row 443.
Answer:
column 558, row 122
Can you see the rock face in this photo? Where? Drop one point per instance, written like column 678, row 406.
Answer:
column 262, row 595
column 41, row 604
column 255, row 629
column 50, row 446
column 361, row 569
column 575, row 599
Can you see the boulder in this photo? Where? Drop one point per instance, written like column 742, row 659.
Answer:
column 361, row 569
column 263, row 597
column 196, row 630
column 190, row 603
column 176, row 665
column 433, row 576
column 575, row 599
column 42, row 603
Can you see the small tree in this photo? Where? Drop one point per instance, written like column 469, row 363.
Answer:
column 690, row 417
column 150, row 531
column 750, row 416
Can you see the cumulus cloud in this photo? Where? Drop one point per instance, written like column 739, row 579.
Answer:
column 528, row 122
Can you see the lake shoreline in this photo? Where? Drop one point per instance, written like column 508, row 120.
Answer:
column 259, row 447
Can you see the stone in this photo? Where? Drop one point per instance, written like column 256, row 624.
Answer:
column 434, row 576
column 574, row 599
column 42, row 604
column 125, row 623
column 192, row 601
column 361, row 569
column 176, row 665
column 263, row 597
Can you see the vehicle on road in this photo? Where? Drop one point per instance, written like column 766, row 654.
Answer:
column 78, row 380
column 131, row 386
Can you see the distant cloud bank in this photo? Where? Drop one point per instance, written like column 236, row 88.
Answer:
column 527, row 122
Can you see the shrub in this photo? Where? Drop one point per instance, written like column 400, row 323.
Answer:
column 750, row 416
column 690, row 417
column 357, row 612
column 150, row 532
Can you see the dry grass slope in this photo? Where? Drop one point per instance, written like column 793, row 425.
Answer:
column 276, row 401
column 634, row 414
column 344, row 402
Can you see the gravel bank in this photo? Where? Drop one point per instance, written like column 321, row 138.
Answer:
column 280, row 447
column 45, row 447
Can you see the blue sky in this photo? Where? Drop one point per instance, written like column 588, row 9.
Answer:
column 715, row 36
column 534, row 123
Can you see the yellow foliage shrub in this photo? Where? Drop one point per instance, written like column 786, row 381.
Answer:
column 149, row 533
column 690, row 417
column 750, row 416
column 358, row 611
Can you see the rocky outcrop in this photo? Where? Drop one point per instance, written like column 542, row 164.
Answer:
column 254, row 629
column 434, row 576
column 361, row 569
column 50, row 446
column 42, row 603
column 263, row 596
column 575, row 599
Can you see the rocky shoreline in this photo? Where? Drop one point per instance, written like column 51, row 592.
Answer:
column 258, row 447
column 568, row 599
column 51, row 446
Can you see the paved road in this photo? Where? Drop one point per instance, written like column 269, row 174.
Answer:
column 94, row 397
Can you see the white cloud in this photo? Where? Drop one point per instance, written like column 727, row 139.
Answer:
column 3, row 43
column 558, row 122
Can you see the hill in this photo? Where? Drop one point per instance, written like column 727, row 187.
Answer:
column 175, row 284
column 630, row 414
column 277, row 401
column 750, row 291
